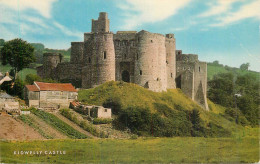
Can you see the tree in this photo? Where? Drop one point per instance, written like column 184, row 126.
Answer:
column 2, row 42
column 244, row 66
column 18, row 53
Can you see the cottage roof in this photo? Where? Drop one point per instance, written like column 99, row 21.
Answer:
column 32, row 88
column 55, row 86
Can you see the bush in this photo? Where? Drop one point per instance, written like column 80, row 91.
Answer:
column 114, row 104
column 83, row 124
column 102, row 121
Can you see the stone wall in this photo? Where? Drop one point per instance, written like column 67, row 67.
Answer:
column 150, row 67
column 76, row 52
column 102, row 24
column 99, row 60
column 125, row 52
column 191, row 77
column 170, row 60
column 56, row 99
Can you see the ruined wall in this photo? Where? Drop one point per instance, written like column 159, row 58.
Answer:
column 102, row 24
column 69, row 73
column 76, row 52
column 150, row 67
column 189, row 63
column 50, row 61
column 170, row 45
column 200, row 84
column 125, row 55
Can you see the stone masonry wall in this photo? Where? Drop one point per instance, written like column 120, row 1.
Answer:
column 170, row 60
column 150, row 68
column 76, row 52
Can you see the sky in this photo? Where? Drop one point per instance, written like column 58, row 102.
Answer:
column 223, row 30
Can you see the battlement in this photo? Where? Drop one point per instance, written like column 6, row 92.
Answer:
column 169, row 36
column 186, row 57
column 103, row 15
column 102, row 24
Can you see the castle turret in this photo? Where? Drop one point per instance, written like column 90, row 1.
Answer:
column 150, row 66
column 50, row 62
column 170, row 60
column 100, row 54
column 102, row 24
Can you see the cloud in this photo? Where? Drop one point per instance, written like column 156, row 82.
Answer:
column 42, row 6
column 250, row 10
column 225, row 12
column 66, row 31
column 218, row 7
column 138, row 12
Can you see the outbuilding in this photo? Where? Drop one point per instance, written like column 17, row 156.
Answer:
column 50, row 95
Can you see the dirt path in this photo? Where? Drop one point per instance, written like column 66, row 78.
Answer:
column 73, row 125
column 47, row 129
column 12, row 129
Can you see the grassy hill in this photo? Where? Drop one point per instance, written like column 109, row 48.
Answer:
column 132, row 95
column 214, row 69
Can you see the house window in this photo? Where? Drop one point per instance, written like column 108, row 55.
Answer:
column 105, row 54
column 141, row 72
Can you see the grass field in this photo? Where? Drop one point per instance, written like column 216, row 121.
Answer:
column 217, row 69
column 22, row 74
column 142, row 150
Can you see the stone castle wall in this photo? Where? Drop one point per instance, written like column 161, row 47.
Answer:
column 150, row 67
column 147, row 59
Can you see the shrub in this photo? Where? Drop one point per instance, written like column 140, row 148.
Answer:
column 114, row 104
column 83, row 124
column 102, row 121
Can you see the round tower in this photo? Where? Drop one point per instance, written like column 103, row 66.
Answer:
column 150, row 64
column 102, row 59
column 50, row 62
column 170, row 60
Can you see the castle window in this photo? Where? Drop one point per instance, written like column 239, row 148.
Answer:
column 89, row 60
column 166, row 62
column 141, row 72
column 105, row 110
column 199, row 69
column 125, row 56
column 171, row 75
column 105, row 54
column 137, row 56
column 151, row 41
column 157, row 79
column 183, row 68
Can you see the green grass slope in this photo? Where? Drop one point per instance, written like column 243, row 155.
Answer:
column 214, row 69
column 133, row 95
column 22, row 74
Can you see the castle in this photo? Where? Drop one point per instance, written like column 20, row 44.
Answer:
column 147, row 59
